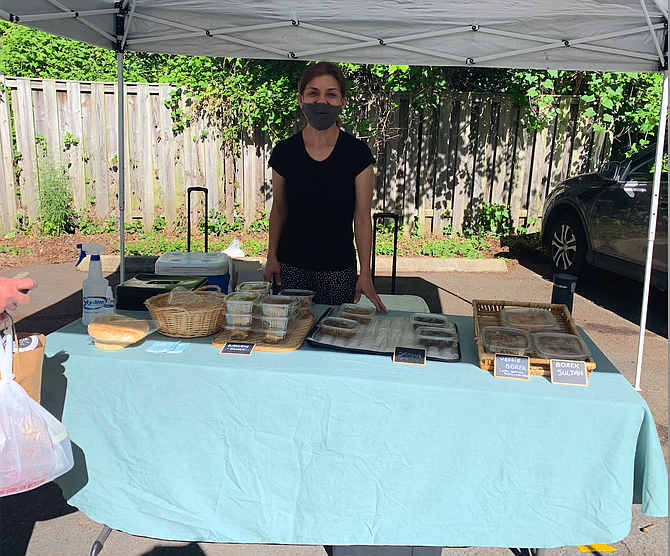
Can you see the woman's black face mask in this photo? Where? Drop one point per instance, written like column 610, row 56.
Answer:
column 321, row 115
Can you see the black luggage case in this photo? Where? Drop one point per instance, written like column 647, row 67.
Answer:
column 375, row 219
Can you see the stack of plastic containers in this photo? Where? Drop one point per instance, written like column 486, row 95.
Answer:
column 240, row 309
column 251, row 308
column 434, row 329
column 359, row 313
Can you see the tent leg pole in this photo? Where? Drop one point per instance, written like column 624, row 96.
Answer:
column 120, row 132
column 652, row 228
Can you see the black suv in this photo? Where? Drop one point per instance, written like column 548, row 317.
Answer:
column 602, row 219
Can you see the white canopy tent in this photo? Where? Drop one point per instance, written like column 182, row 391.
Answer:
column 589, row 35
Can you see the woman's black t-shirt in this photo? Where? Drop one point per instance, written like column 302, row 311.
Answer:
column 320, row 200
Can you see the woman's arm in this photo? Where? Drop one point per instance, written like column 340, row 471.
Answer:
column 363, row 233
column 277, row 219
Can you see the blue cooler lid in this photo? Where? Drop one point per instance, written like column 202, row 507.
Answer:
column 192, row 264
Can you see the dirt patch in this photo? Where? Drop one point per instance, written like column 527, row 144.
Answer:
column 30, row 250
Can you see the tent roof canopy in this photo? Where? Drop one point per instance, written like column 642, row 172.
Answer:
column 590, row 35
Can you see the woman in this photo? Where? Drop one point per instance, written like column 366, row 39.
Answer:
column 322, row 181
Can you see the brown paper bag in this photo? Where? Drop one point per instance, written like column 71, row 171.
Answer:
column 27, row 367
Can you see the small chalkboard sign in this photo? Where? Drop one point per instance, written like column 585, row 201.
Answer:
column 511, row 366
column 569, row 372
column 409, row 356
column 238, row 348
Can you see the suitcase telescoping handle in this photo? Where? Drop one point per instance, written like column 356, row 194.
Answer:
column 188, row 217
column 378, row 216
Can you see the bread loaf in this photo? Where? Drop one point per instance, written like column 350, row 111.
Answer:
column 117, row 331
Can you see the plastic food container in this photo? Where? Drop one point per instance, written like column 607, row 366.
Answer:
column 243, row 303
column 556, row 345
column 533, row 319
column 502, row 339
column 359, row 313
column 263, row 287
column 429, row 319
column 280, row 306
column 281, row 324
column 239, row 320
column 238, row 332
column 306, row 296
column 340, row 327
column 438, row 336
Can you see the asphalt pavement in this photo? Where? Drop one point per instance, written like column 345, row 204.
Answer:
column 606, row 307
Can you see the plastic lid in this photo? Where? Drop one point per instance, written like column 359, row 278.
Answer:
column 529, row 318
column 248, row 296
column 280, row 300
column 556, row 345
column 338, row 322
column 355, row 309
column 436, row 333
column 192, row 264
column 429, row 319
column 502, row 339
column 298, row 293
column 252, row 286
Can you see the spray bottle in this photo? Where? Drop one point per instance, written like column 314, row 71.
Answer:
column 95, row 286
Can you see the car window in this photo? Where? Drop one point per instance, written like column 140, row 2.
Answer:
column 642, row 172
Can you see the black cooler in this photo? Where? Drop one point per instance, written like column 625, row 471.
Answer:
column 131, row 294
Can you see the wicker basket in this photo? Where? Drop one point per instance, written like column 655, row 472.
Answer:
column 487, row 313
column 182, row 323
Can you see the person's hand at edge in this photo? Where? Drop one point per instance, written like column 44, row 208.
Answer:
column 364, row 286
column 11, row 295
column 272, row 270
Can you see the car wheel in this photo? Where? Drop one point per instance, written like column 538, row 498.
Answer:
column 568, row 245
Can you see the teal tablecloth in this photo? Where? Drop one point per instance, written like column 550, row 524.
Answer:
column 326, row 447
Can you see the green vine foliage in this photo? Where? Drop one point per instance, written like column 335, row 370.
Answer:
column 237, row 94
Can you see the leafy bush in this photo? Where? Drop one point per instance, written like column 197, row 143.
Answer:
column 492, row 219
column 56, row 215
column 87, row 225
column 159, row 224
column 219, row 225
column 260, row 225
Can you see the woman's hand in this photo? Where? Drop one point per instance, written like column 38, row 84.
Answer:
column 272, row 271
column 364, row 286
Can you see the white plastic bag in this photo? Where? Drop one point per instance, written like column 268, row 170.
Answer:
column 34, row 446
column 233, row 250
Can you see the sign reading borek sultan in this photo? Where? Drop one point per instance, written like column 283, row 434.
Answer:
column 511, row 366
column 569, row 372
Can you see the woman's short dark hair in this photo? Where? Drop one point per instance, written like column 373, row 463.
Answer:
column 322, row 68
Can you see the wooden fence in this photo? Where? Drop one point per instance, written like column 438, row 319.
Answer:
column 437, row 168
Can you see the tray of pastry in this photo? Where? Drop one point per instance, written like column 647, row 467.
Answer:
column 541, row 331
column 380, row 335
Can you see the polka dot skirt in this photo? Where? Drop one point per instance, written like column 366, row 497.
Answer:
column 332, row 287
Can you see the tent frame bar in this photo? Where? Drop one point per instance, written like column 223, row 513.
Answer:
column 650, row 25
column 120, row 136
column 62, row 15
column 653, row 213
